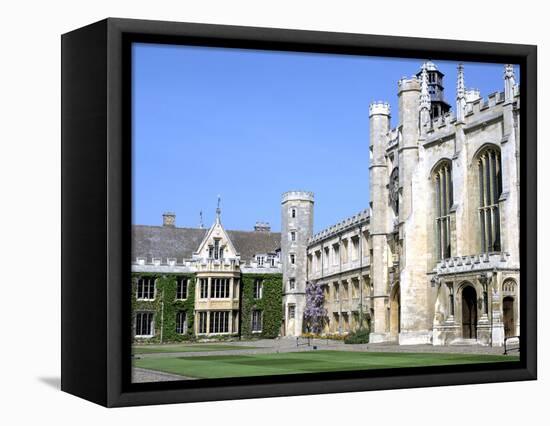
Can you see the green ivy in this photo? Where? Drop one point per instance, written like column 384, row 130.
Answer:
column 165, row 313
column 270, row 304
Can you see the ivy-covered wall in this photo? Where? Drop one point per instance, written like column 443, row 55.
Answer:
column 165, row 306
column 165, row 313
column 270, row 304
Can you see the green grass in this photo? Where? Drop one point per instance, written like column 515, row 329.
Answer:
column 190, row 347
column 304, row 362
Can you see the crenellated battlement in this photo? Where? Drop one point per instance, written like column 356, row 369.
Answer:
column 408, row 83
column 379, row 108
column 347, row 223
column 298, row 195
column 482, row 104
column 479, row 109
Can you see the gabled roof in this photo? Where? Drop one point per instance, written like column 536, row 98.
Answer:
column 180, row 243
column 218, row 229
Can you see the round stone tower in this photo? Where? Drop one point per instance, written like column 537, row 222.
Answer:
column 296, row 229
column 379, row 114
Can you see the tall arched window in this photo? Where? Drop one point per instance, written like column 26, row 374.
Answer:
column 490, row 188
column 394, row 191
column 443, row 182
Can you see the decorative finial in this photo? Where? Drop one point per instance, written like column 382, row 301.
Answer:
column 509, row 82
column 509, row 71
column 460, row 94
column 218, row 210
column 201, row 224
column 460, row 88
column 425, row 102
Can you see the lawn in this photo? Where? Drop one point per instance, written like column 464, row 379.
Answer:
column 193, row 347
column 304, row 362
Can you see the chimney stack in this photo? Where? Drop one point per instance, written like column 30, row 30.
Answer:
column 169, row 219
column 262, row 227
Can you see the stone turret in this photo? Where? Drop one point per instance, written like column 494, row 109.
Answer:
column 296, row 230
column 415, row 321
column 409, row 103
column 379, row 115
column 436, row 90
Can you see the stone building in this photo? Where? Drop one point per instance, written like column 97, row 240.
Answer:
column 433, row 259
column 201, row 283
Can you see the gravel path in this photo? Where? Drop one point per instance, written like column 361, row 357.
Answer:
column 286, row 345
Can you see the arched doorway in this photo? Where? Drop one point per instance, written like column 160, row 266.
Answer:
column 508, row 315
column 469, row 313
column 395, row 311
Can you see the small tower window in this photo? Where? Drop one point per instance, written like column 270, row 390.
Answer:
column 293, row 212
column 292, row 259
column 291, row 283
column 292, row 235
column 291, row 312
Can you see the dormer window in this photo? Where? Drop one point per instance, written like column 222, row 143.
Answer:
column 260, row 260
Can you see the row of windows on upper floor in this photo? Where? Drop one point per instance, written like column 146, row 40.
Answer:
column 219, row 288
column 340, row 253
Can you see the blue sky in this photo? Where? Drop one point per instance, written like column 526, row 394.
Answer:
column 250, row 125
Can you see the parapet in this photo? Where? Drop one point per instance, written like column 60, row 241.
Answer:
column 481, row 104
column 478, row 110
column 408, row 84
column 298, row 196
column 349, row 222
column 379, row 108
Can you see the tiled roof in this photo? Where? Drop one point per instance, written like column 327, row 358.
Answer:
column 180, row 243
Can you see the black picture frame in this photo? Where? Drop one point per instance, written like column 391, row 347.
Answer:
column 96, row 211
